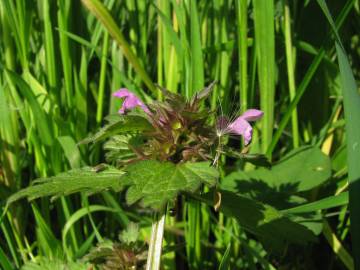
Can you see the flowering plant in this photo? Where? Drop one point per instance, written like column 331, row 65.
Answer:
column 180, row 129
column 161, row 150
column 157, row 150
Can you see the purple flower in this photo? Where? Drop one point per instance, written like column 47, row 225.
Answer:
column 240, row 126
column 130, row 101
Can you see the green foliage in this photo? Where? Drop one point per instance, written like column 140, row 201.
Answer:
column 120, row 124
column 352, row 111
column 280, row 187
column 86, row 179
column 48, row 264
column 130, row 235
column 225, row 261
column 265, row 52
column 129, row 253
column 59, row 65
column 155, row 183
column 255, row 159
column 325, row 203
column 100, row 11
column 5, row 261
column 300, row 170
column 274, row 228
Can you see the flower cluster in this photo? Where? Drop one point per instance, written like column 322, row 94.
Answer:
column 181, row 130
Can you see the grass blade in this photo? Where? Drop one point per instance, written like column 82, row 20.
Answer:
column 241, row 14
column 4, row 261
column 197, row 63
column 326, row 203
column 337, row 246
column 225, row 260
column 291, row 72
column 100, row 11
column 39, row 114
column 265, row 50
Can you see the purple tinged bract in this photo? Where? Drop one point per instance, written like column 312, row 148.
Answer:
column 130, row 101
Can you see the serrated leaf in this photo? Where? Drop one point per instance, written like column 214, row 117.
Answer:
column 131, row 234
column 85, row 179
column 120, row 124
column 271, row 226
column 155, row 183
column 117, row 147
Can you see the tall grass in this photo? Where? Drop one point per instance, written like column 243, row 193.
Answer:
column 61, row 60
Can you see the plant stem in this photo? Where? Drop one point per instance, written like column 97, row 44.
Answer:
column 155, row 248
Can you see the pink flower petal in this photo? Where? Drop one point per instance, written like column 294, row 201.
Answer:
column 241, row 127
column 122, row 92
column 252, row 115
column 130, row 101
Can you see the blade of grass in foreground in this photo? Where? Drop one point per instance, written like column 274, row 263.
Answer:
column 290, row 63
column 241, row 16
column 99, row 10
column 265, row 50
column 197, row 66
column 352, row 117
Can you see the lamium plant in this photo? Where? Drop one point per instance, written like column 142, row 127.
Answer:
column 156, row 151
column 161, row 152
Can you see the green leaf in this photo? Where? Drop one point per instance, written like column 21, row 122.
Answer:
column 307, row 166
column 271, row 226
column 119, row 124
column 302, row 169
column 313, row 221
column 119, row 147
column 155, row 183
column 84, row 179
column 131, row 234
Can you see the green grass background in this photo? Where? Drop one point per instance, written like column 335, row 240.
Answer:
column 60, row 61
